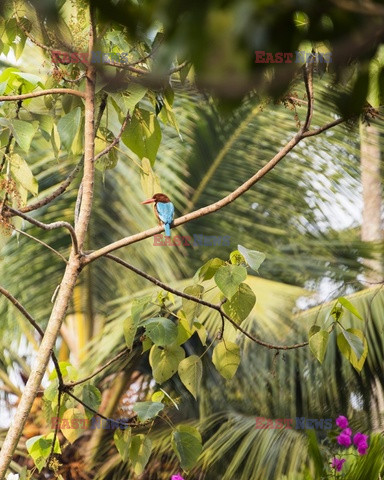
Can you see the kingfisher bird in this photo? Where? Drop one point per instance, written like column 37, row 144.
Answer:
column 164, row 210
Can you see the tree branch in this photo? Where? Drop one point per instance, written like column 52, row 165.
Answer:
column 48, row 226
column 40, row 93
column 100, row 369
column 41, row 243
column 325, row 127
column 213, row 306
column 61, row 189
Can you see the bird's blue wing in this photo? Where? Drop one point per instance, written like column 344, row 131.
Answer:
column 165, row 211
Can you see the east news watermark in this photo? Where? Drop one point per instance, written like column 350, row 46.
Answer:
column 300, row 56
column 298, row 423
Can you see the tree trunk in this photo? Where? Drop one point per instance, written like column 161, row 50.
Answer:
column 372, row 231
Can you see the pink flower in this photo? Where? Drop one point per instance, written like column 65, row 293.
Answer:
column 342, row 422
column 177, row 477
column 344, row 439
column 337, row 464
column 359, row 437
column 347, row 431
column 362, row 448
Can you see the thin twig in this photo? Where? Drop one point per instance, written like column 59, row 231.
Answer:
column 41, row 243
column 325, row 127
column 40, row 93
column 52, row 196
column 48, row 226
column 117, row 422
column 213, row 306
column 100, row 369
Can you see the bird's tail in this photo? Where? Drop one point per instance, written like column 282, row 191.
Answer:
column 167, row 230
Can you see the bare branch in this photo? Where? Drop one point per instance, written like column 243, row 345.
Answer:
column 308, row 80
column 40, row 93
column 325, row 127
column 100, row 369
column 218, row 307
column 116, row 140
column 48, row 226
column 41, row 243
column 56, row 193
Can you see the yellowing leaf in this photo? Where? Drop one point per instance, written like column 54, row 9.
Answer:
column 23, row 174
column 226, row 358
column 190, row 372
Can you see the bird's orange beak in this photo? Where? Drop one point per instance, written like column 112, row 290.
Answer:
column 150, row 200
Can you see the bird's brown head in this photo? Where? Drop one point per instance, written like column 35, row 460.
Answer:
column 157, row 197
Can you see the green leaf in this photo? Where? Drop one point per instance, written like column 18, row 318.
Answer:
column 122, row 439
column 187, row 444
column 131, row 323
column 318, row 342
column 241, row 303
column 164, row 361
column 252, row 257
column 130, row 328
column 91, row 396
column 228, row 279
column 351, row 308
column 236, row 258
column 157, row 396
column 130, row 98
column 314, row 329
column 143, row 135
column 141, row 447
column 190, row 372
column 355, row 342
column 208, row 270
column 346, row 349
column 24, row 133
column 161, row 330
column 147, row 410
column 22, row 174
column 226, row 358
column 39, row 447
column 68, row 127
column 184, row 331
column 192, row 309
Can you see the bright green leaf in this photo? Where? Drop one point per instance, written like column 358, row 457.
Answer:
column 147, row 410
column 351, row 308
column 208, row 270
column 228, row 279
column 164, row 361
column 161, row 330
column 241, row 303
